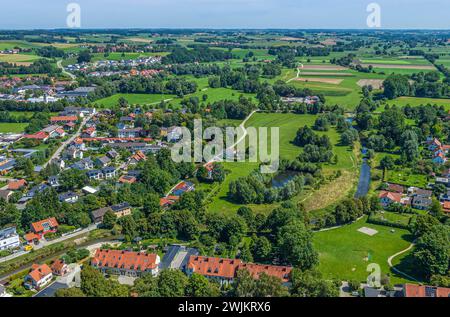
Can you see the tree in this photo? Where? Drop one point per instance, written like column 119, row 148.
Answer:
column 270, row 286
column 94, row 284
column 72, row 179
column 396, row 85
column 109, row 220
column 262, row 249
column 199, row 286
column 436, row 208
column 295, row 246
column 84, row 57
column 433, row 251
column 172, row 283
column 310, row 283
column 146, row 286
column 244, row 285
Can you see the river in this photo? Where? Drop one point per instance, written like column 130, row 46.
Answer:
column 364, row 180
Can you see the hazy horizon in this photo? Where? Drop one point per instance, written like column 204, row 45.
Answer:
column 226, row 14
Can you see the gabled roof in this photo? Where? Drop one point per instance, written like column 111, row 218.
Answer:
column 125, row 260
column 391, row 196
column 412, row 290
column 211, row 266
column 17, row 184
column 40, row 225
column 38, row 272
column 63, row 118
column 281, row 272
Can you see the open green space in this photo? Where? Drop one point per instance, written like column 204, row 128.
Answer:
column 344, row 253
column 12, row 127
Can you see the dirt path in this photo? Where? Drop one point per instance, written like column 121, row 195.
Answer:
column 397, row 270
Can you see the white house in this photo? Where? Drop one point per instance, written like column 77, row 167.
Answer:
column 9, row 239
column 39, row 276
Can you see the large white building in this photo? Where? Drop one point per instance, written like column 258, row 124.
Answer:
column 9, row 239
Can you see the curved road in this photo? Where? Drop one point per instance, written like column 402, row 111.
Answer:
column 72, row 76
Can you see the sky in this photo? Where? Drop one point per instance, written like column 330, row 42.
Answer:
column 229, row 14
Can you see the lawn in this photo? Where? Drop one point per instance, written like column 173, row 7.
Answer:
column 12, row 127
column 393, row 217
column 344, row 253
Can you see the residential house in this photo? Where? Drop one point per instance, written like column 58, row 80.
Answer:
column 39, row 276
column 112, row 154
column 109, row 172
column 54, row 131
column 445, row 196
column 412, row 290
column 395, row 188
column 73, row 153
column 439, row 159
column 120, row 210
column 434, row 144
column 130, row 133
column 388, row 198
column 6, row 194
column 69, row 197
column 59, row 268
column 53, row 181
column 126, row 263
column 63, row 119
column 127, row 179
column 443, row 180
column 89, row 190
column 137, row 157
column 79, row 144
column 281, row 272
column 168, row 201
column 45, row 226
column 84, row 164
column 90, row 132
column 102, row 161
column 33, row 191
column 17, row 184
column 40, row 136
column 9, row 239
column 421, row 202
column 95, row 174
column 446, row 207
column 174, row 134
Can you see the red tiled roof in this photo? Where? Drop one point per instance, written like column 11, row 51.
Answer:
column 127, row 179
column 124, row 260
column 139, row 156
column 58, row 265
column 41, row 135
column 392, row 196
column 396, row 188
column 412, row 290
column 446, row 206
column 282, row 272
column 38, row 272
column 64, row 118
column 31, row 236
column 210, row 266
column 38, row 226
column 17, row 184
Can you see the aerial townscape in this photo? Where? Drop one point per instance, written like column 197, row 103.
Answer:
column 92, row 203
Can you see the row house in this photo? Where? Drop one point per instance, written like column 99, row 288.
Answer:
column 224, row 270
column 119, row 210
column 126, row 263
column 105, row 173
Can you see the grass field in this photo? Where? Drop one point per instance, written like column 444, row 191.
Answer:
column 414, row 102
column 142, row 99
column 344, row 252
column 12, row 127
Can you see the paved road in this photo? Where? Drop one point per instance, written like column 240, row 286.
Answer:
column 397, row 270
column 68, row 141
column 45, row 243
